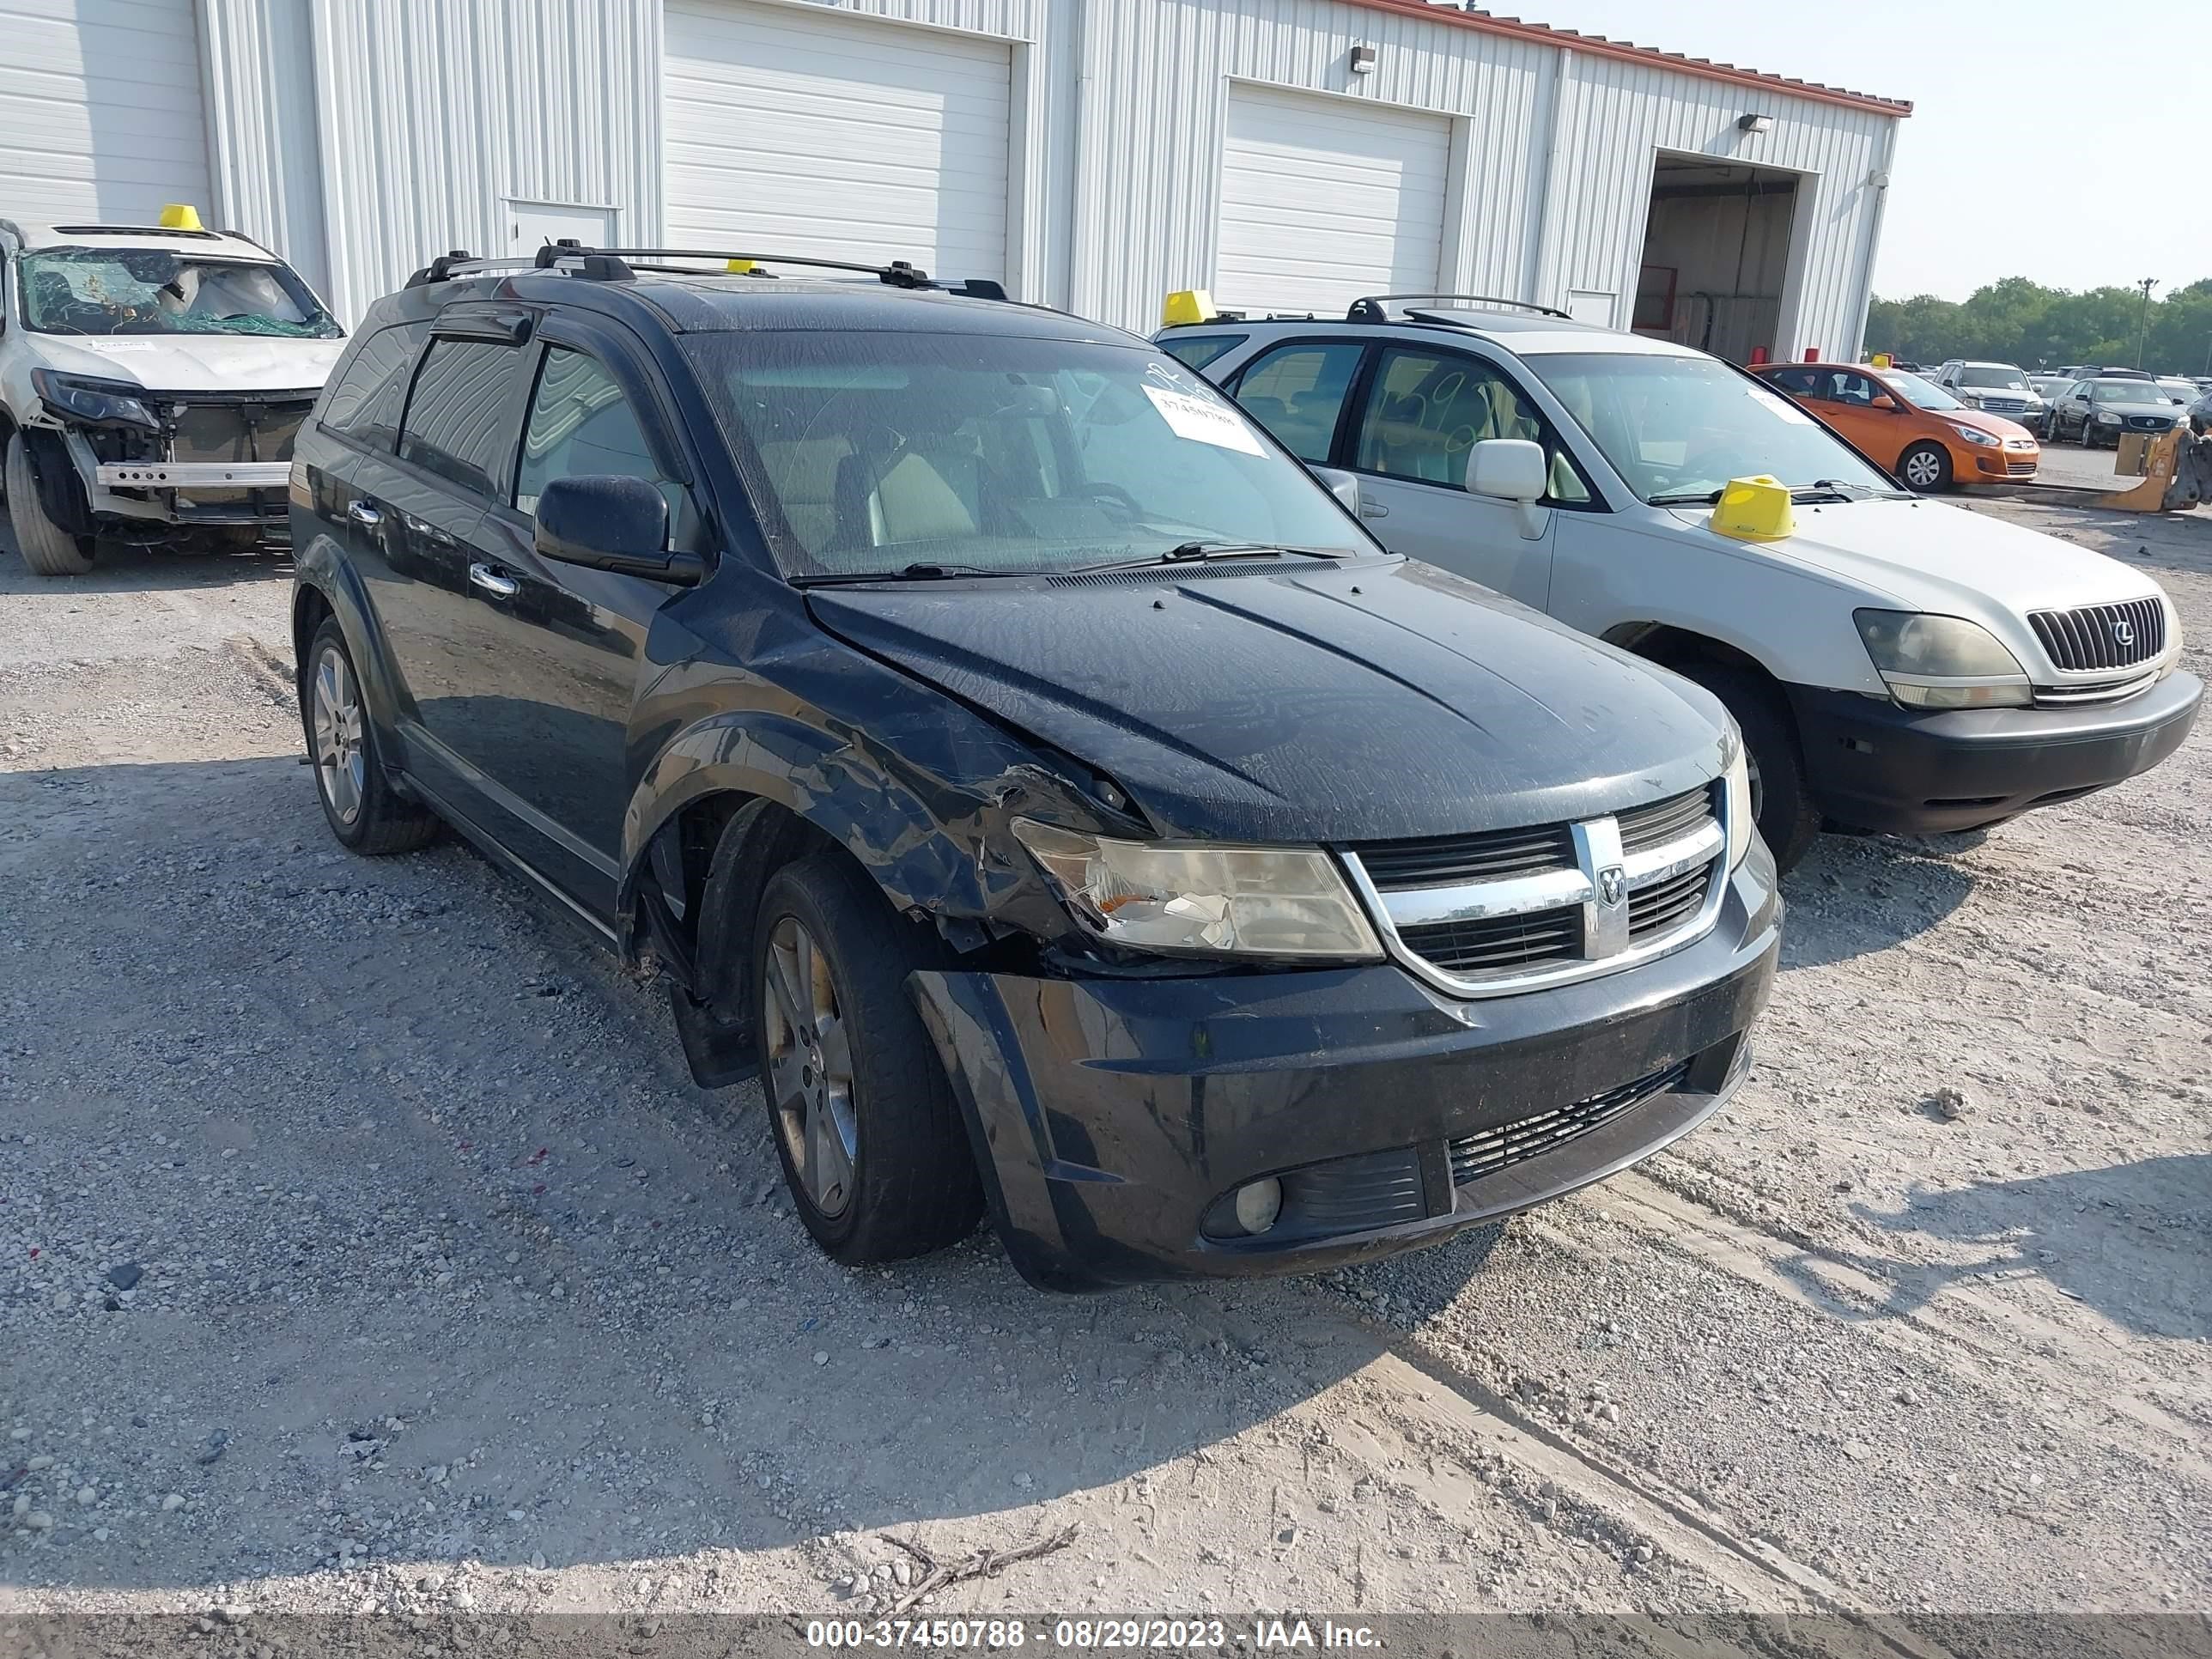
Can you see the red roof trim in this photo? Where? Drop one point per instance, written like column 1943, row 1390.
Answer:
column 1599, row 46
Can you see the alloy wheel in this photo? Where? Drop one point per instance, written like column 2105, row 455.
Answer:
column 1921, row 469
column 809, row 1063
column 341, row 763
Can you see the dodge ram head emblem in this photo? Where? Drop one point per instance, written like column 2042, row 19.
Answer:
column 2123, row 632
column 1612, row 884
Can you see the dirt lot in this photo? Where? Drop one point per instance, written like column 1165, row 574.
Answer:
column 364, row 1247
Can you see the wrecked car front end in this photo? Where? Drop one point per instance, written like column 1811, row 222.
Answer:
column 119, row 459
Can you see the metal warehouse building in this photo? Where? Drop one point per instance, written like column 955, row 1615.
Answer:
column 1092, row 153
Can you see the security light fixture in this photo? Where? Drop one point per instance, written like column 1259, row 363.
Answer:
column 1755, row 123
column 1362, row 60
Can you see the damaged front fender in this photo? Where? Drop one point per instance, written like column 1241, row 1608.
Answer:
column 915, row 785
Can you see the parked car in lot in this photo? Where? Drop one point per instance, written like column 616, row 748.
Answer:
column 1018, row 760
column 152, row 379
column 2096, row 412
column 1995, row 389
column 1894, row 664
column 1911, row 426
column 2182, row 391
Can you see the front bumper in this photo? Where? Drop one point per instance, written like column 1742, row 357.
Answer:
column 1111, row 1115
column 1874, row 766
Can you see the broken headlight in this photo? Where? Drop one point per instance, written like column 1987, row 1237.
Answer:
column 1204, row 899
column 103, row 402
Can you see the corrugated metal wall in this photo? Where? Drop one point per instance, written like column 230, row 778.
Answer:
column 426, row 117
column 432, row 116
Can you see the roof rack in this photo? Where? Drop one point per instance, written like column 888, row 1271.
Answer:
column 614, row 265
column 1375, row 307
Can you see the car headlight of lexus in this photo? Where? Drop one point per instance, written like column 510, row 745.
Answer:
column 1942, row 662
column 1741, row 826
column 103, row 402
column 1204, row 899
column 1974, row 435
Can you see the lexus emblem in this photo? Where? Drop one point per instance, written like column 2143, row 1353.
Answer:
column 2123, row 632
column 1611, row 884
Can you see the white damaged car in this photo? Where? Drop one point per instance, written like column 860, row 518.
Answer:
column 1896, row 664
column 152, row 380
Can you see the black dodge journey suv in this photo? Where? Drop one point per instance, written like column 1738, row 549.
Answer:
column 1016, row 759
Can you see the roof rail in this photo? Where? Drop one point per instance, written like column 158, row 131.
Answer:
column 1375, row 308
column 613, row 264
column 897, row 274
column 589, row 262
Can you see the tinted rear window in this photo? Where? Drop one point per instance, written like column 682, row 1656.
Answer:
column 365, row 403
column 461, row 421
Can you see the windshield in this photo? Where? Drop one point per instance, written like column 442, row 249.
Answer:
column 1922, row 394
column 1681, row 428
column 155, row 291
column 2179, row 391
column 2125, row 391
column 2010, row 379
column 877, row 451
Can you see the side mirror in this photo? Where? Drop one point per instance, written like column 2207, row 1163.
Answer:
column 607, row 522
column 1345, row 486
column 1884, row 401
column 1511, row 469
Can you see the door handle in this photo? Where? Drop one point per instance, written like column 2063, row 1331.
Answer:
column 1373, row 510
column 494, row 581
column 363, row 514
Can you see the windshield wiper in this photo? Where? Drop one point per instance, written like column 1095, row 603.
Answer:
column 1686, row 498
column 1201, row 552
column 924, row 571
column 1836, row 490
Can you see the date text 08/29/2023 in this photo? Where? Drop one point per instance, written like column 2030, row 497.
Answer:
column 1091, row 1635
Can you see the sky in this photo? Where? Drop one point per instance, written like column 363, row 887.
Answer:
column 2000, row 170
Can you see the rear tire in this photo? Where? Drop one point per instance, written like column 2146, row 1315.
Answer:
column 47, row 549
column 1788, row 820
column 1926, row 467
column 873, row 1148
column 359, row 802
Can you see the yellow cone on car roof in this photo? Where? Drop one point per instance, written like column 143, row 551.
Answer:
column 1190, row 305
column 181, row 215
column 1755, row 509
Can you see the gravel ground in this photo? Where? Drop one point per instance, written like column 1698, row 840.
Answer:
column 364, row 1247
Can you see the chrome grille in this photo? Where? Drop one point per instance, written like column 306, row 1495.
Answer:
column 2102, row 636
column 1665, row 904
column 1475, row 1156
column 1667, row 820
column 1442, row 860
column 1483, row 947
column 1515, row 909
column 2003, row 405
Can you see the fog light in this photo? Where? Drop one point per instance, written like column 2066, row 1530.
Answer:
column 1258, row 1204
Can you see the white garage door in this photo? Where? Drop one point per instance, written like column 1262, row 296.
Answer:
column 1323, row 199
column 794, row 132
column 99, row 110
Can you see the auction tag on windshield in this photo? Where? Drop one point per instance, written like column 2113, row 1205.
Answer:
column 1209, row 424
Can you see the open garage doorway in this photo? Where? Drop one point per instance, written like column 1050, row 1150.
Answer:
column 1716, row 256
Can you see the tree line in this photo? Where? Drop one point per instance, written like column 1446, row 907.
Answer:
column 2022, row 322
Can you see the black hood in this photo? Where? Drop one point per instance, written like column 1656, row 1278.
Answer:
column 1313, row 703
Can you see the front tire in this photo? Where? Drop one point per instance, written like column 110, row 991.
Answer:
column 359, row 802
column 47, row 549
column 1926, row 467
column 870, row 1139
column 1788, row 820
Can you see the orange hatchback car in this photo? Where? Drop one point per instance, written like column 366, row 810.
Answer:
column 1913, row 427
